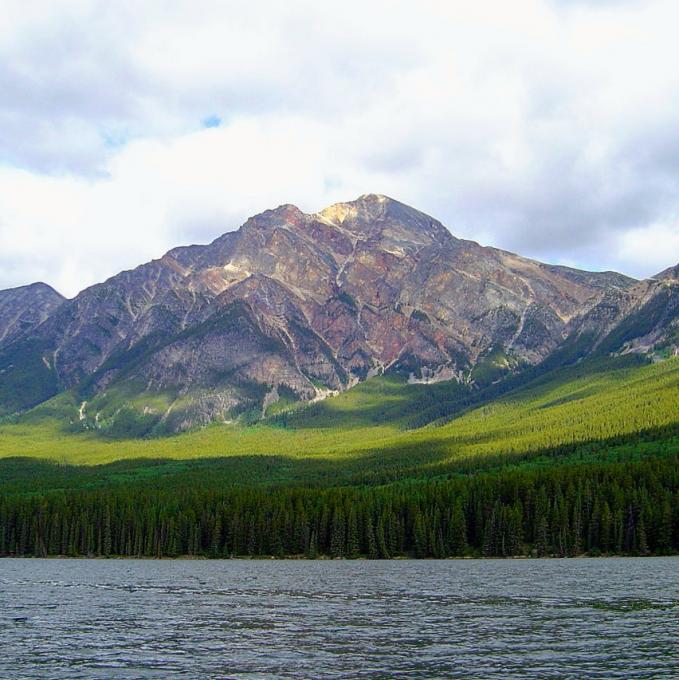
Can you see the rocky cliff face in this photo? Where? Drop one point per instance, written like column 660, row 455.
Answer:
column 642, row 318
column 304, row 305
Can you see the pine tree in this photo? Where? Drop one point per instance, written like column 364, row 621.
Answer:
column 457, row 534
column 107, row 537
column 337, row 537
column 419, row 535
column 312, row 552
column 352, row 534
column 370, row 539
column 542, row 537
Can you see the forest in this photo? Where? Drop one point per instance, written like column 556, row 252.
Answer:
column 621, row 508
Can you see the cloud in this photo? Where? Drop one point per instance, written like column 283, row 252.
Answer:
column 541, row 127
column 654, row 246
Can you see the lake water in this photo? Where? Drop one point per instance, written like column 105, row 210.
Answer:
column 575, row 618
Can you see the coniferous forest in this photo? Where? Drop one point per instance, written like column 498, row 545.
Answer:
column 623, row 508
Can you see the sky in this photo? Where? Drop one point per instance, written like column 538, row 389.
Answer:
column 545, row 127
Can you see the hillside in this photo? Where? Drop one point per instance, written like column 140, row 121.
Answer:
column 364, row 434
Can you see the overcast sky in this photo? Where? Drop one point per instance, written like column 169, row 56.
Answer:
column 545, row 127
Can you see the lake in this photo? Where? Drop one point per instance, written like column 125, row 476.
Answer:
column 575, row 618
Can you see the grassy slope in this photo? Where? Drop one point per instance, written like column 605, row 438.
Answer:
column 363, row 431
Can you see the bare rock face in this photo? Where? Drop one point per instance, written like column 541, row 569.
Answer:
column 23, row 309
column 641, row 318
column 306, row 305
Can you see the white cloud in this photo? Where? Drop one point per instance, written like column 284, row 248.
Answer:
column 649, row 248
column 542, row 127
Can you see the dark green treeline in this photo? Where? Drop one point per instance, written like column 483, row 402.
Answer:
column 630, row 508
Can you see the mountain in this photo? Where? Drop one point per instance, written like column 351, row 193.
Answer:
column 294, row 306
column 23, row 309
column 669, row 274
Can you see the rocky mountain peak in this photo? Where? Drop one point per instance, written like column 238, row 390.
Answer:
column 285, row 215
column 38, row 288
column 368, row 207
column 386, row 224
column 24, row 308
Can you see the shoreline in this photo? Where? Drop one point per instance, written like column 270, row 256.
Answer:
column 324, row 558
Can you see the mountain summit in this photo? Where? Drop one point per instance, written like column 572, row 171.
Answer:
column 24, row 308
column 295, row 306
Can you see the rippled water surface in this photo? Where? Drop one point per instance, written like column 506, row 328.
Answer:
column 229, row 619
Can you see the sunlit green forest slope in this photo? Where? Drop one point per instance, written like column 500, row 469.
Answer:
column 374, row 431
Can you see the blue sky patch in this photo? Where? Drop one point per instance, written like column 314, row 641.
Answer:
column 212, row 122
